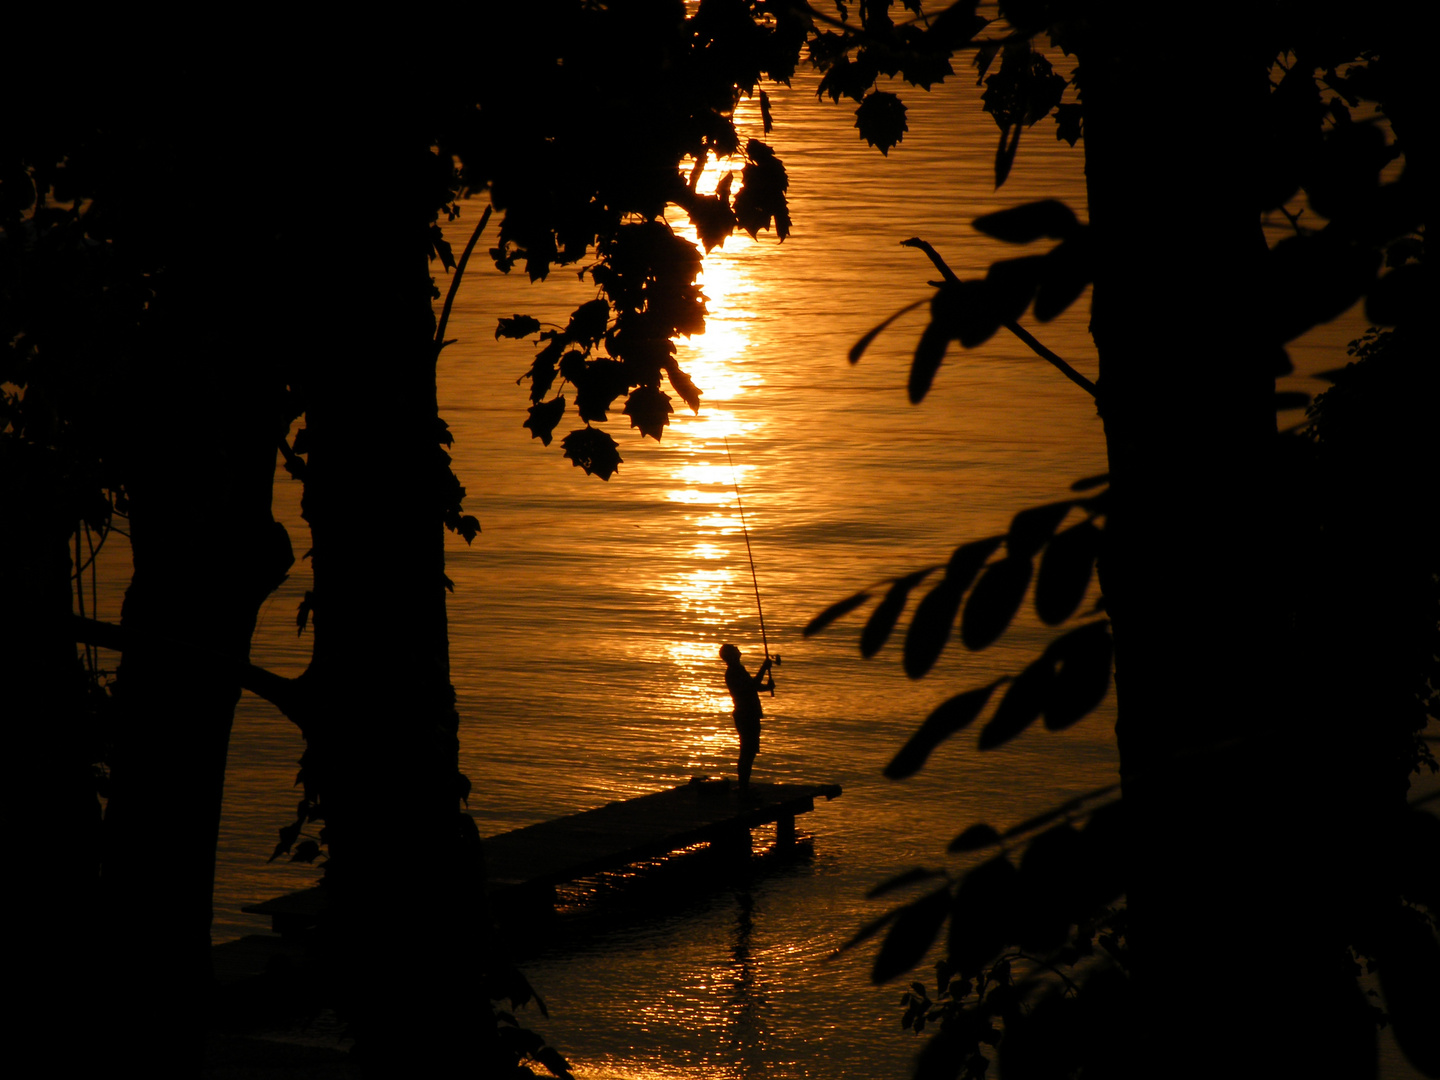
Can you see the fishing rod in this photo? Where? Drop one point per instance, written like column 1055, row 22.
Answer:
column 735, row 480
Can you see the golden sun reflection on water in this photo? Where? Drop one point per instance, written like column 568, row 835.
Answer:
column 699, row 682
column 711, row 584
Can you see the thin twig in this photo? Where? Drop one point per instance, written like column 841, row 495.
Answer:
column 455, row 280
column 1014, row 327
column 1045, row 354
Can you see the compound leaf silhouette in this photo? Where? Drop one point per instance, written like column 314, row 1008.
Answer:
column 994, row 601
column 1032, row 221
column 1084, row 656
column 883, row 618
column 912, row 933
column 974, row 838
column 833, row 612
column 981, row 915
column 1065, row 572
column 1031, row 528
column 934, row 617
column 947, row 718
column 1026, row 698
column 930, row 626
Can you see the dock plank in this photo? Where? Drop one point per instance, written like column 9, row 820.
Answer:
column 609, row 837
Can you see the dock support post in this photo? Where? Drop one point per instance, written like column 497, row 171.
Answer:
column 785, row 832
column 733, row 843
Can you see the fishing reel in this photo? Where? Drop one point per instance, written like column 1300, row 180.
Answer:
column 773, row 661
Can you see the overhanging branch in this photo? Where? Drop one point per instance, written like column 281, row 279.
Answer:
column 286, row 694
column 1011, row 325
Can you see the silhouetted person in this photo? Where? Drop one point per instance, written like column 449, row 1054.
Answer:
column 745, row 692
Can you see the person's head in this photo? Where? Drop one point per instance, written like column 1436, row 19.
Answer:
column 730, row 654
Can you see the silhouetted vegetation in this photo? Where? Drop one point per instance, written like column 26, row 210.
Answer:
column 1274, row 615
column 1270, row 597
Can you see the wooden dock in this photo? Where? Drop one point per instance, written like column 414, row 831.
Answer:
column 524, row 867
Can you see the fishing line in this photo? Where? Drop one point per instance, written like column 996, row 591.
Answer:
column 734, row 479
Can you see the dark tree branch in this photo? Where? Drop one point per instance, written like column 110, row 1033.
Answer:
column 294, row 463
column 1045, row 354
column 934, row 256
column 1014, row 327
column 284, row 693
column 455, row 279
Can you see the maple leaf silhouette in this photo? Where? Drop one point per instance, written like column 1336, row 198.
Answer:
column 881, row 120
column 592, row 450
column 543, row 418
column 649, row 409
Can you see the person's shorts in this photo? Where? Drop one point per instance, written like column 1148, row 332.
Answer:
column 749, row 731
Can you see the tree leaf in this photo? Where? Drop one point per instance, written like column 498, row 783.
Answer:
column 911, row 935
column 949, row 717
column 1312, row 279
column 682, row 384
column 599, row 382
column 592, row 450
column 882, row 619
column 929, row 351
column 1030, row 528
column 881, row 120
column 899, row 881
column 1065, row 572
column 1106, row 844
column 994, row 601
column 1051, row 887
column 543, row 417
column 1009, row 285
column 588, row 324
column 982, row 915
column 1408, row 958
column 1396, row 296
column 1046, row 816
column 713, row 219
column 649, row 410
column 1067, row 270
column 1419, row 870
column 1022, row 224
column 1023, row 702
column 517, row 326
column 974, row 838
column 1068, row 120
column 1084, row 656
column 763, row 196
column 870, row 929
column 858, row 349
column 833, row 612
column 307, row 851
column 930, row 626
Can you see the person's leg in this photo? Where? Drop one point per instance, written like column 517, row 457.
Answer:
column 749, row 747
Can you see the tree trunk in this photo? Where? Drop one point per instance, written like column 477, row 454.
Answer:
column 383, row 747
column 168, row 770
column 54, row 747
column 1224, row 880
column 195, row 438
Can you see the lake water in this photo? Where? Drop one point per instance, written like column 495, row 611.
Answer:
column 586, row 617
